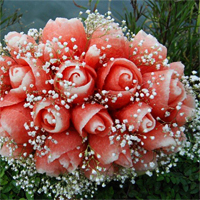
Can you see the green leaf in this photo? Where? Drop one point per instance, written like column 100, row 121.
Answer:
column 29, row 196
column 160, row 178
column 173, row 179
column 185, row 187
column 3, row 196
column 3, row 181
column 196, row 190
column 178, row 196
column 167, row 179
column 2, row 173
column 7, row 188
column 193, row 186
column 132, row 193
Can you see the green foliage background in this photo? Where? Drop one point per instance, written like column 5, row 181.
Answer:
column 176, row 24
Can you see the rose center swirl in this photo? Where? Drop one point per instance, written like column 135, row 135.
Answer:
column 48, row 118
column 77, row 76
column 95, row 125
column 17, row 74
column 119, row 78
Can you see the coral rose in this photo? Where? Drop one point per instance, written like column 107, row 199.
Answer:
column 91, row 119
column 75, row 81
column 70, row 33
column 162, row 137
column 120, row 78
column 63, row 155
column 20, row 45
column 9, row 148
column 5, row 63
column 96, row 170
column 143, row 160
column 25, row 79
column 110, row 39
column 183, row 113
column 12, row 121
column 162, row 91
column 108, row 149
column 147, row 53
column 51, row 117
column 137, row 117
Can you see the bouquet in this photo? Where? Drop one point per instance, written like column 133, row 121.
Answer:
column 82, row 104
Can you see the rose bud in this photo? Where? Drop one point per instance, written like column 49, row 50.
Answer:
column 183, row 113
column 94, row 169
column 91, row 119
column 75, row 81
column 20, row 45
column 162, row 137
column 109, row 149
column 164, row 91
column 25, row 79
column 66, row 33
column 143, row 160
column 147, row 53
column 120, row 79
column 63, row 155
column 110, row 39
column 13, row 120
column 137, row 117
column 51, row 117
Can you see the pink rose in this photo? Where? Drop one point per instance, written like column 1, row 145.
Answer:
column 120, row 79
column 110, row 40
column 178, row 68
column 20, row 45
column 5, row 63
column 94, row 169
column 70, row 33
column 51, row 117
column 162, row 91
column 63, row 155
column 14, row 126
column 75, row 81
column 162, row 137
column 136, row 117
column 183, row 113
column 108, row 150
column 144, row 160
column 54, row 53
column 91, row 119
column 147, row 53
column 92, row 56
column 9, row 148
column 25, row 79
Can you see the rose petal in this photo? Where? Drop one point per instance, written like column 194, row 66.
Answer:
column 92, row 118
column 142, row 161
column 147, row 53
column 67, row 29
column 53, row 168
column 110, row 40
column 157, row 138
column 48, row 117
column 14, row 126
column 102, row 146
column 66, row 141
column 138, row 117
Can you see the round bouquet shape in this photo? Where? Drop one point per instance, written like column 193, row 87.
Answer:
column 83, row 103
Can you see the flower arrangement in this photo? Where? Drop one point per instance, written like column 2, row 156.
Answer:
column 87, row 105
